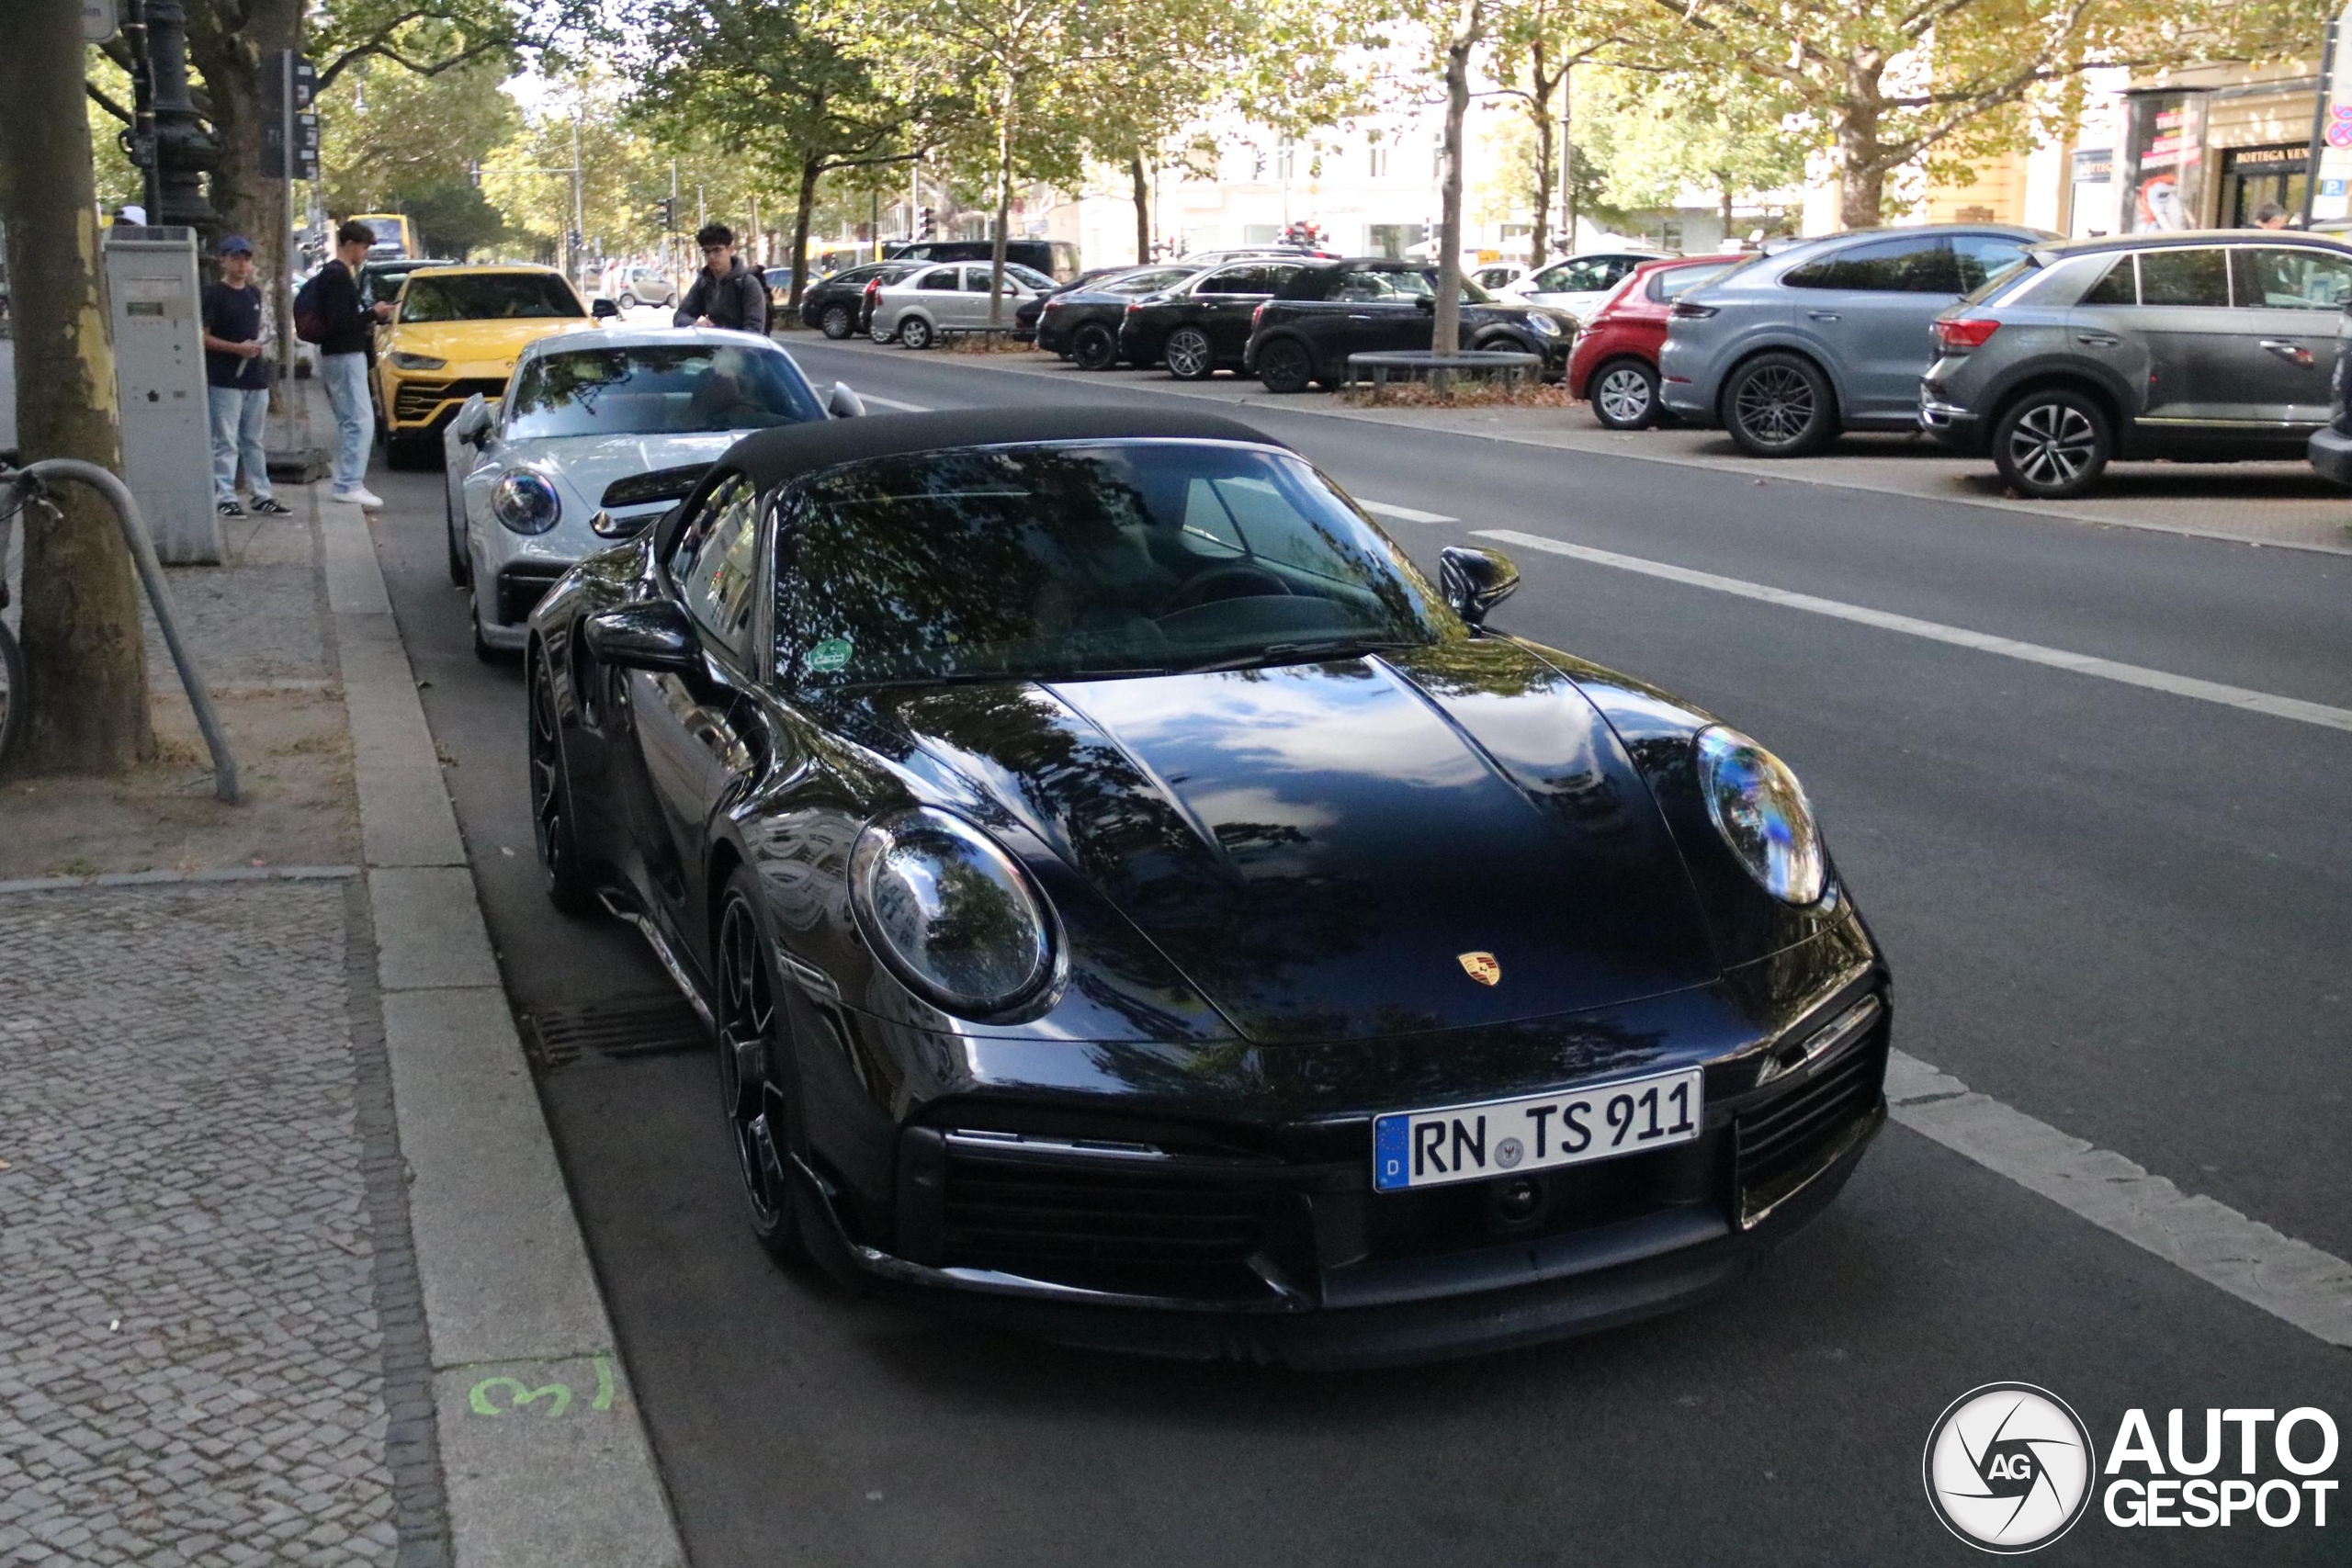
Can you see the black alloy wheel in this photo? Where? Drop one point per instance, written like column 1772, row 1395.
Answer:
column 915, row 332
column 1779, row 405
column 461, row 567
column 2053, row 444
column 1624, row 395
column 1188, row 354
column 1093, row 347
column 561, row 873
column 835, row 322
column 751, row 1035
column 1284, row 366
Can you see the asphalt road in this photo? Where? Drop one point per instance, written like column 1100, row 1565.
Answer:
column 2118, row 908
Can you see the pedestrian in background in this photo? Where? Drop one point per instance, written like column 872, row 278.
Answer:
column 329, row 313
column 2270, row 215
column 236, row 375
column 726, row 292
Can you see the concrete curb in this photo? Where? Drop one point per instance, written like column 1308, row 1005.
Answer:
column 543, row 1452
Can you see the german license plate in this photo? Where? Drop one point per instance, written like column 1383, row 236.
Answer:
column 1505, row 1137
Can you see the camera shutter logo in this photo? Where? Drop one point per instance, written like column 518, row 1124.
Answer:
column 2009, row 1467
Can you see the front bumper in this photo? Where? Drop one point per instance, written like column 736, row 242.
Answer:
column 1086, row 1237
column 424, row 401
column 2330, row 454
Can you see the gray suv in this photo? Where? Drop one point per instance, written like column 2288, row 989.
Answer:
column 1828, row 335
column 2200, row 346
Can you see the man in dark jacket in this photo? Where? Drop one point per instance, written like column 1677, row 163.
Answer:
column 345, row 325
column 236, row 379
column 726, row 292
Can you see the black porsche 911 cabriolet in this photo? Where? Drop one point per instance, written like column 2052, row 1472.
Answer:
column 1131, row 903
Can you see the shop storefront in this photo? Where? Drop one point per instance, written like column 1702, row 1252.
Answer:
column 2255, row 177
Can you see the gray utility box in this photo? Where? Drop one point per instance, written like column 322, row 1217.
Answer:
column 155, row 308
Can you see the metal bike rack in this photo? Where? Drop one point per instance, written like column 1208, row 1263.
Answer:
column 159, row 596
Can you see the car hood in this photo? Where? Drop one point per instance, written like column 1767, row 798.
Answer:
column 480, row 348
column 585, row 465
column 1319, row 848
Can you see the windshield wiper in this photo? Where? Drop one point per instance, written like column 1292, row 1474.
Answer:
column 1293, row 653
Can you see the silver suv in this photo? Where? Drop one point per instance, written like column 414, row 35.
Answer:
column 1830, row 335
column 2202, row 346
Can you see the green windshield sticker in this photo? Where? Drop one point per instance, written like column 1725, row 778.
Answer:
column 829, row 655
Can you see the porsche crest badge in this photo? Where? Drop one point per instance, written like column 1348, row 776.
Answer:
column 1480, row 966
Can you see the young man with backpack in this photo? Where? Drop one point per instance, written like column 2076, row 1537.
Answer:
column 726, row 292
column 236, row 375
column 327, row 313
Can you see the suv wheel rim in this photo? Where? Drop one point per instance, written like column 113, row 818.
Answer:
column 1775, row 405
column 1187, row 353
column 1625, row 394
column 2052, row 444
column 837, row 323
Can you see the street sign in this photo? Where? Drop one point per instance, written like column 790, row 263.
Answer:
column 101, row 19
column 306, row 149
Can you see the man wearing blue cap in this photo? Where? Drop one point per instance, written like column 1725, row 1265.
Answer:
column 237, row 380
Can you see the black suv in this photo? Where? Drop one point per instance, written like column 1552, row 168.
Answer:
column 1200, row 325
column 1081, row 320
column 1304, row 333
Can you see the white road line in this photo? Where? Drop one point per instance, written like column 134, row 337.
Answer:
column 2295, row 708
column 1403, row 514
column 894, row 404
column 2290, row 1280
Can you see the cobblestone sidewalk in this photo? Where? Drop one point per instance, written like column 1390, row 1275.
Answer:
column 210, row 1346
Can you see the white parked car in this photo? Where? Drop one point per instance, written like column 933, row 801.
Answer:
column 596, row 436
column 949, row 297
column 1577, row 284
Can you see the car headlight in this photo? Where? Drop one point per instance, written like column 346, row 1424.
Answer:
column 403, row 360
column 526, row 503
column 952, row 914
column 1543, row 326
column 1759, row 808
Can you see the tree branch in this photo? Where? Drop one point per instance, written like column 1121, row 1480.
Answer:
column 107, row 103
column 380, row 50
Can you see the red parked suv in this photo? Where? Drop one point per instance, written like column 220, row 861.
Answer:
column 1615, row 359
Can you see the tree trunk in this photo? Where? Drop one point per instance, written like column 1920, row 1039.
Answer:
column 237, row 102
column 803, row 215
column 1568, row 163
column 1539, row 244
column 1143, row 207
column 85, row 659
column 1727, row 200
column 1003, row 207
column 1445, row 330
column 1862, row 174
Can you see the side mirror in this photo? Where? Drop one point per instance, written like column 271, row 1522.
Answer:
column 652, row 633
column 845, row 402
column 603, row 310
column 1426, row 304
column 1473, row 580
column 471, row 421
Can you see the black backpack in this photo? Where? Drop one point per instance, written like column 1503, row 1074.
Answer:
column 309, row 314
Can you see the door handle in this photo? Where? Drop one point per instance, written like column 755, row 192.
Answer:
column 2293, row 352
column 2097, row 339
column 1823, row 315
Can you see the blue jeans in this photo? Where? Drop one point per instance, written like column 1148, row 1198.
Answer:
column 346, row 376
column 239, row 415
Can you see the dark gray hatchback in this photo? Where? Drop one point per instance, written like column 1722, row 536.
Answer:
column 2201, row 346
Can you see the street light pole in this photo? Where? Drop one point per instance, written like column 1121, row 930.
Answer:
column 579, row 211
column 184, row 149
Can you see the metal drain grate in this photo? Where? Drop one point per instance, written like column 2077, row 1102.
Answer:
column 615, row 1031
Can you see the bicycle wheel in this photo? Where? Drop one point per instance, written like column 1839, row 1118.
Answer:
column 12, row 693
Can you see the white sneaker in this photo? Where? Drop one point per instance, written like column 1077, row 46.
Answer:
column 363, row 496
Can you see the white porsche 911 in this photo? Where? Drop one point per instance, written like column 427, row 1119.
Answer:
column 598, row 435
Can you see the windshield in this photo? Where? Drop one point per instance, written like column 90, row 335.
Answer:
column 658, row 391
column 1049, row 563
column 487, row 296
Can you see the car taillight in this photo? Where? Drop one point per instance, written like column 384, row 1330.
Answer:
column 1690, row 311
column 1965, row 334
column 1257, row 315
column 1132, row 306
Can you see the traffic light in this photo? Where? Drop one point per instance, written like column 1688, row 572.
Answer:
column 930, row 225
column 669, row 215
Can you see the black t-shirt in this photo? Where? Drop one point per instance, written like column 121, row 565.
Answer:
column 233, row 315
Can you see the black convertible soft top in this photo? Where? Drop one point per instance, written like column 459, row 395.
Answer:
column 771, row 457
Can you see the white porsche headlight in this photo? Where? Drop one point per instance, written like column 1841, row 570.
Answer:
column 526, row 503
column 1759, row 808
column 950, row 913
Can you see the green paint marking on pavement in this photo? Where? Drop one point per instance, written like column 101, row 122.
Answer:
column 603, row 1400
column 522, row 1395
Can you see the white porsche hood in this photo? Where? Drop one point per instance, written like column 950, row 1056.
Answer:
column 583, row 465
